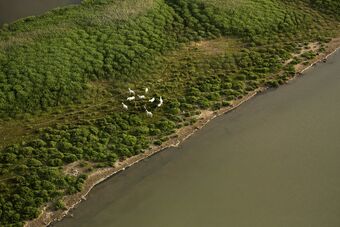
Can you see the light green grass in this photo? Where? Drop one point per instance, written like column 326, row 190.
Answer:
column 64, row 75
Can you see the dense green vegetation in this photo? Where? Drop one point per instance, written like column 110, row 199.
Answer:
column 331, row 7
column 43, row 69
column 78, row 62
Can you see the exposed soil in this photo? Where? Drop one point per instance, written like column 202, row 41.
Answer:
column 99, row 175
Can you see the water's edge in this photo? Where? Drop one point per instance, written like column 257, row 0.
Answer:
column 14, row 10
column 48, row 217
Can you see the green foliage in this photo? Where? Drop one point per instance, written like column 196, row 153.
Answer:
column 57, row 68
column 59, row 205
column 327, row 6
column 143, row 45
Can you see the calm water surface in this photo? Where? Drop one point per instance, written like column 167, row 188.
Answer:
column 273, row 162
column 11, row 10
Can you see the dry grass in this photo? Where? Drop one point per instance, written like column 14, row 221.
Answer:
column 206, row 48
column 215, row 47
column 126, row 9
column 17, row 130
column 21, row 38
column 77, row 168
column 118, row 10
column 12, row 131
column 310, row 47
column 230, row 4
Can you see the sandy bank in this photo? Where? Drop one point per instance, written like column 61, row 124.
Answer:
column 48, row 216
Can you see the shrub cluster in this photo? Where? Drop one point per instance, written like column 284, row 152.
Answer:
column 49, row 69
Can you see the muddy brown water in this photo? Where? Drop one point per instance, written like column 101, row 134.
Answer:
column 275, row 161
column 11, row 10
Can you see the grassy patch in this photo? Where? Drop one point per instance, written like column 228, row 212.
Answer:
column 64, row 76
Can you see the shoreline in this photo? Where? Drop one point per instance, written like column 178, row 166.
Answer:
column 47, row 216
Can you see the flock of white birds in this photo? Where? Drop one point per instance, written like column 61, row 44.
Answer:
column 133, row 97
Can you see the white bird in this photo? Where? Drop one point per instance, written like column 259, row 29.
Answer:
column 131, row 98
column 131, row 91
column 146, row 90
column 141, row 96
column 125, row 106
column 152, row 100
column 148, row 113
column 160, row 102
